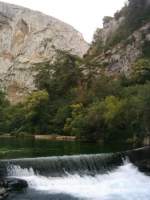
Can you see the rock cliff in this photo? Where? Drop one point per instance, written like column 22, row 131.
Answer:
column 29, row 37
column 123, row 39
column 119, row 58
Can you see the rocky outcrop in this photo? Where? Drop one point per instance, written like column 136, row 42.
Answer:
column 120, row 58
column 109, row 28
column 3, row 193
column 9, row 185
column 26, row 38
column 123, row 39
column 141, row 158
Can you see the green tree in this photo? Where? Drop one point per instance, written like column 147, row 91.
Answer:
column 36, row 112
column 3, row 109
column 141, row 71
column 60, row 77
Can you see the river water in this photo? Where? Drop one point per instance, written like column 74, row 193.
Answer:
column 80, row 177
column 29, row 147
column 123, row 183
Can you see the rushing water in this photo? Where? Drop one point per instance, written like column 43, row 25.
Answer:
column 123, row 183
column 102, row 175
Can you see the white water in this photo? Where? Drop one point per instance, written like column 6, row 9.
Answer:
column 124, row 183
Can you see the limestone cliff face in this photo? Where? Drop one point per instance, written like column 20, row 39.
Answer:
column 26, row 38
column 119, row 59
column 122, row 40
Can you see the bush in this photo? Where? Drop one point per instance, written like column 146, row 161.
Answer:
column 141, row 71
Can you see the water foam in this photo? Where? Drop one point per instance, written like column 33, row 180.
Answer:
column 124, row 183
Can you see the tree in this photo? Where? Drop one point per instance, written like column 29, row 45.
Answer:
column 107, row 19
column 59, row 78
column 36, row 112
column 141, row 71
column 3, row 115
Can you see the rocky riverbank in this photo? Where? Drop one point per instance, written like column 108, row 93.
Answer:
column 140, row 158
column 8, row 185
column 55, row 137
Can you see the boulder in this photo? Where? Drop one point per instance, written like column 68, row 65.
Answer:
column 13, row 184
column 8, row 185
column 3, row 193
column 140, row 158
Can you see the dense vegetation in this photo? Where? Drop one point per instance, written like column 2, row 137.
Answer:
column 133, row 16
column 89, row 107
column 136, row 14
column 72, row 100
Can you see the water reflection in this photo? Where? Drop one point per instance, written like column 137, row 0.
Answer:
column 29, row 147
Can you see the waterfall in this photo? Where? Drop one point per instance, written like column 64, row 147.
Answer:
column 60, row 166
column 123, row 183
column 94, row 177
column 82, row 164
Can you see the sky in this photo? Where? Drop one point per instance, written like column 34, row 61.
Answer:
column 84, row 15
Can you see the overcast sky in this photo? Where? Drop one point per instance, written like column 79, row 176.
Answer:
column 84, row 15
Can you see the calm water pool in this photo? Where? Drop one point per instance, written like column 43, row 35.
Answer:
column 29, row 147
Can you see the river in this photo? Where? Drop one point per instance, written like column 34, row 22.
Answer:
column 29, row 147
column 89, row 172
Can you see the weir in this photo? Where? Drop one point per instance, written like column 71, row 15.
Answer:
column 80, row 164
column 60, row 166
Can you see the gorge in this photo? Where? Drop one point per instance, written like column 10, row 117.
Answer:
column 53, row 84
